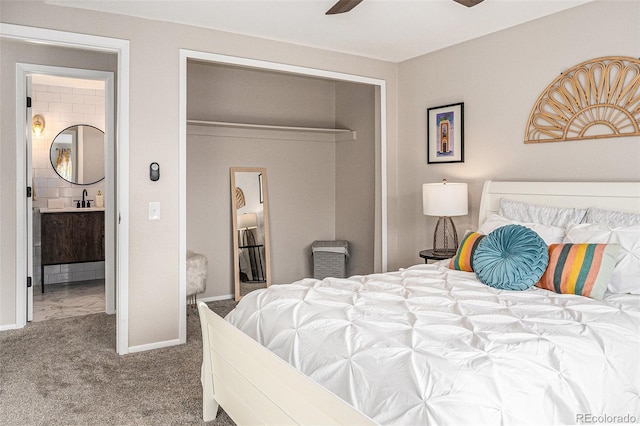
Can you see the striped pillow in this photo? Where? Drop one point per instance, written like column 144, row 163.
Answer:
column 463, row 260
column 582, row 269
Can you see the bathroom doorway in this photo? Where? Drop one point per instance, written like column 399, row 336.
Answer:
column 70, row 170
column 39, row 45
column 68, row 181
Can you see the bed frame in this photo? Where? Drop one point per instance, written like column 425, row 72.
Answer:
column 255, row 386
column 621, row 196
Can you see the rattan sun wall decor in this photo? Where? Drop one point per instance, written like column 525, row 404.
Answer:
column 599, row 98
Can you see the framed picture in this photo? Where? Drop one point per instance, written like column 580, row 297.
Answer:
column 260, row 188
column 445, row 134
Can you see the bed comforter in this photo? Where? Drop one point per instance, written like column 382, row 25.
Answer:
column 431, row 346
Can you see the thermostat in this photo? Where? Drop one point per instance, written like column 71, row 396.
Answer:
column 154, row 171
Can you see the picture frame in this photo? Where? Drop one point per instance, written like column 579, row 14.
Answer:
column 445, row 134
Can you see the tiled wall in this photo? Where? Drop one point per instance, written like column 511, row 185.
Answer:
column 61, row 107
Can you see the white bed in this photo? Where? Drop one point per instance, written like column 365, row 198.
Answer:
column 429, row 345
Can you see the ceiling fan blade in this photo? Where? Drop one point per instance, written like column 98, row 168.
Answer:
column 343, row 6
column 469, row 3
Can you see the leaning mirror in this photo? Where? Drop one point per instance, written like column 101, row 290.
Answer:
column 77, row 154
column 250, row 218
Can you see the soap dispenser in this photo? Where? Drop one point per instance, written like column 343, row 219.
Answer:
column 99, row 199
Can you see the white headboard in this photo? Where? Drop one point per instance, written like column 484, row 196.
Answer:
column 621, row 196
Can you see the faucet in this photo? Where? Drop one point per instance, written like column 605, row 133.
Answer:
column 84, row 192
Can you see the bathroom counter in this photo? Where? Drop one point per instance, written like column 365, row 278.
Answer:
column 71, row 210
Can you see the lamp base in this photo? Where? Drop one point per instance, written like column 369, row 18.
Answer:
column 445, row 237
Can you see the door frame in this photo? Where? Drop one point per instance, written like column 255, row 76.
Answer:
column 121, row 49
column 23, row 71
column 381, row 142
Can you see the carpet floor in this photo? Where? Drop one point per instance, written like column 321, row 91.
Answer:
column 66, row 372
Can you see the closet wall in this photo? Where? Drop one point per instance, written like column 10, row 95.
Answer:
column 306, row 182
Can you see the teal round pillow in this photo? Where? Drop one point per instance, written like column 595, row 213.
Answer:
column 512, row 257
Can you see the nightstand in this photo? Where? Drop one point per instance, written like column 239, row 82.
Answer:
column 428, row 255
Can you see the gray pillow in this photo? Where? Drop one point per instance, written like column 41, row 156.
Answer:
column 611, row 218
column 535, row 213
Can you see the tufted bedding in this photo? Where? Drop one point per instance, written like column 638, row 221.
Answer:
column 430, row 345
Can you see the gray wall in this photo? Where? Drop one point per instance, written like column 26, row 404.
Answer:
column 306, row 179
column 499, row 78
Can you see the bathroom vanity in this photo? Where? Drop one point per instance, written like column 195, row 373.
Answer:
column 71, row 235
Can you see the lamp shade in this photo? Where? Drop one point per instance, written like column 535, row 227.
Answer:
column 445, row 199
column 247, row 221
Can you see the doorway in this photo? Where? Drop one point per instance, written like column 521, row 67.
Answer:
column 53, row 38
column 68, row 164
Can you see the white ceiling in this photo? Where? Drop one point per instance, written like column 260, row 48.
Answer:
column 392, row 30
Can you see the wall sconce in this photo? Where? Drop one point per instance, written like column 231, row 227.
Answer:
column 444, row 200
column 37, row 124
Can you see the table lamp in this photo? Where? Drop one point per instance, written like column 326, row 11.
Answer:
column 246, row 222
column 444, row 200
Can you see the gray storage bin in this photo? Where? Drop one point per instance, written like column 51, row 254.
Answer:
column 330, row 259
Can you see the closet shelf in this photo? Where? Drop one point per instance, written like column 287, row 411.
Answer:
column 267, row 131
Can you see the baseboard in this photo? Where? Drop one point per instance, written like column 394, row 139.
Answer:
column 8, row 327
column 157, row 345
column 174, row 342
column 215, row 298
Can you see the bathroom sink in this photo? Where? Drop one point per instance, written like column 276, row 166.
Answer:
column 71, row 210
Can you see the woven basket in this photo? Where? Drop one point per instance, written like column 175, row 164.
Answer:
column 327, row 263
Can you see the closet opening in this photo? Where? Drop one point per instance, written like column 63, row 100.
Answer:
column 321, row 137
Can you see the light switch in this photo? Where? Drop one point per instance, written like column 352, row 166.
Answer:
column 154, row 210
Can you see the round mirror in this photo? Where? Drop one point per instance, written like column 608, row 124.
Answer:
column 77, row 154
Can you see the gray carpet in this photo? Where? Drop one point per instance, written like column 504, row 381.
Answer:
column 66, row 372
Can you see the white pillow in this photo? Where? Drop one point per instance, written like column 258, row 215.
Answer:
column 626, row 274
column 550, row 234
column 611, row 217
column 535, row 213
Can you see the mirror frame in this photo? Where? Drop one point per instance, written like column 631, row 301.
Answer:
column 53, row 166
column 234, row 219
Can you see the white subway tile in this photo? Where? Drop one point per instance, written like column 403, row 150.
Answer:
column 47, row 97
column 57, row 183
column 78, row 91
column 70, row 118
column 84, row 108
column 94, row 100
column 48, row 192
column 72, row 98
column 72, row 267
column 39, row 202
column 61, row 107
column 83, row 276
column 51, row 269
column 58, row 278
column 67, row 192
column 39, row 182
column 60, row 89
column 94, row 266
column 40, row 107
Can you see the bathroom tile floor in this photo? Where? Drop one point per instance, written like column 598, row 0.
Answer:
column 68, row 300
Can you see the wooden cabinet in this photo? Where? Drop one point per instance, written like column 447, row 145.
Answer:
column 70, row 237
